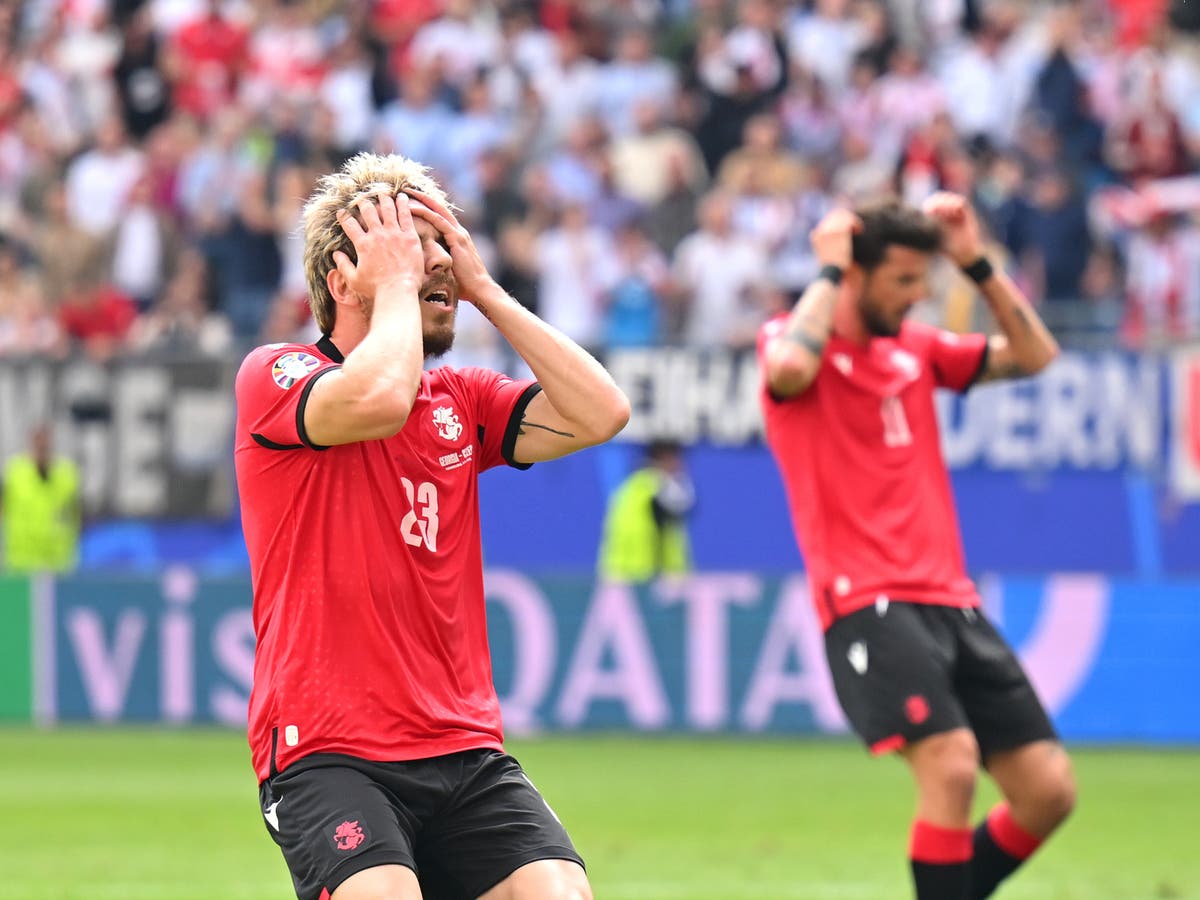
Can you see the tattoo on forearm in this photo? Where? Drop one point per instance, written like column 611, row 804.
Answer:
column 810, row 342
column 1023, row 317
column 1003, row 371
column 525, row 423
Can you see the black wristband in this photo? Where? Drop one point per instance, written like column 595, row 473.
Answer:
column 980, row 270
column 831, row 273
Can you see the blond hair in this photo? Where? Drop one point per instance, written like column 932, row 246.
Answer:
column 362, row 176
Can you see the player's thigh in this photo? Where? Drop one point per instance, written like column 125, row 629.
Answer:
column 545, row 879
column 1000, row 701
column 332, row 819
column 380, row 883
column 497, row 823
column 891, row 666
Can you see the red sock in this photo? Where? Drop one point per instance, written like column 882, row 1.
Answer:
column 1001, row 845
column 941, row 861
column 1008, row 835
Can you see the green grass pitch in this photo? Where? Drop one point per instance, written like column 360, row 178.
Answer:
column 148, row 814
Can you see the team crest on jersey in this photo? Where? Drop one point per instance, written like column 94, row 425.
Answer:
column 906, row 363
column 448, row 425
column 291, row 367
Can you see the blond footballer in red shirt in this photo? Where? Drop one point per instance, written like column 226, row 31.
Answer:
column 374, row 726
column 918, row 669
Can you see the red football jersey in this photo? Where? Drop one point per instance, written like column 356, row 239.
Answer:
column 861, row 460
column 367, row 567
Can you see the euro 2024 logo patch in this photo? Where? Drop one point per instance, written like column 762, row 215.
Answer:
column 291, row 367
column 448, row 425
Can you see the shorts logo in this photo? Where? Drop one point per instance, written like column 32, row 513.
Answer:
column 348, row 836
column 448, row 425
column 916, row 708
column 291, row 367
column 857, row 655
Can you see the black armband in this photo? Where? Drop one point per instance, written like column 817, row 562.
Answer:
column 831, row 273
column 980, row 270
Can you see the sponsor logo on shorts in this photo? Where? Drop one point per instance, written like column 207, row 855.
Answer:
column 916, row 708
column 291, row 367
column 349, row 835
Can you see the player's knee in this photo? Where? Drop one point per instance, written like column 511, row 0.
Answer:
column 1059, row 793
column 951, row 764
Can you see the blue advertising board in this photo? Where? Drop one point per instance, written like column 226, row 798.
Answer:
column 1113, row 659
column 1092, row 466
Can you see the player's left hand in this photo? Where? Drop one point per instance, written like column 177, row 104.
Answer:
column 469, row 271
column 961, row 240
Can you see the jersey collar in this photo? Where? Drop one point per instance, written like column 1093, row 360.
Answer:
column 329, row 348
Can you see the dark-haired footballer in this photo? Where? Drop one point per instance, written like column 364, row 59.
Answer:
column 849, row 407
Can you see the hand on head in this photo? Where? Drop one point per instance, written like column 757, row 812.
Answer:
column 469, row 270
column 386, row 245
column 833, row 238
column 961, row 240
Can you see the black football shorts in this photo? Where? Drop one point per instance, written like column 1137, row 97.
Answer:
column 463, row 822
column 905, row 671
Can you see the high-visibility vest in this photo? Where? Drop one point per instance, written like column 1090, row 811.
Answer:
column 633, row 546
column 41, row 516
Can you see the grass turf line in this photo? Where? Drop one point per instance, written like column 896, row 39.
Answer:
column 154, row 814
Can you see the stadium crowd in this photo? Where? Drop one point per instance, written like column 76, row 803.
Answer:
column 639, row 172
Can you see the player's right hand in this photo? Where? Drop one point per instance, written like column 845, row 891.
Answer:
column 832, row 239
column 387, row 246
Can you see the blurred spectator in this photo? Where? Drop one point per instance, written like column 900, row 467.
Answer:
column 197, row 123
column 457, row 45
column 141, row 83
column 96, row 316
column 246, row 258
column 415, row 122
column 1163, row 301
column 742, row 74
column 634, row 78
column 346, row 90
column 27, row 326
column 569, row 90
column 576, row 270
column 673, row 217
column 645, row 525
column 862, row 176
column 645, row 161
column 983, row 87
column 143, row 247
column 634, row 316
column 1059, row 236
column 182, row 323
column 205, row 60
column 825, row 40
column 99, row 180
column 716, row 269
column 41, row 505
column 762, row 162
column 810, row 117
column 1148, row 141
column 908, row 97
column 285, row 57
column 55, row 230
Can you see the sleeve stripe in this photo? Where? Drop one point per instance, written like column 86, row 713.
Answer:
column 300, row 429
column 513, row 431
column 274, row 445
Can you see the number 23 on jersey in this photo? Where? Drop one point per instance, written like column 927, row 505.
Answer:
column 420, row 525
